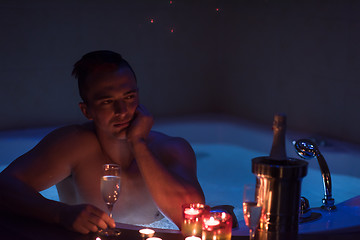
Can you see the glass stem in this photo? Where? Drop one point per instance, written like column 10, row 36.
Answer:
column 110, row 207
column 252, row 234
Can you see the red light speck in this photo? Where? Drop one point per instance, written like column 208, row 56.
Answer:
column 152, row 20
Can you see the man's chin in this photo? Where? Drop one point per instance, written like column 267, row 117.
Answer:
column 121, row 135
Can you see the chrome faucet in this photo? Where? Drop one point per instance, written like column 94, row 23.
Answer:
column 307, row 150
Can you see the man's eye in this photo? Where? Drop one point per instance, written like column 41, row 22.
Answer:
column 130, row 97
column 105, row 102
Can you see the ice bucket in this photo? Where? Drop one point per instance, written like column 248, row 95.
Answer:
column 278, row 189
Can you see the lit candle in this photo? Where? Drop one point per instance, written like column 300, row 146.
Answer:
column 212, row 222
column 192, row 219
column 154, row 238
column 217, row 226
column 191, row 211
column 146, row 232
column 192, row 238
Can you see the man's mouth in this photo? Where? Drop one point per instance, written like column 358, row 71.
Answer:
column 121, row 125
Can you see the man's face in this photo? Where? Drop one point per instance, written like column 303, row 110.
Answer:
column 111, row 102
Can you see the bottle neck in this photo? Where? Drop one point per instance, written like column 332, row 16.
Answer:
column 278, row 150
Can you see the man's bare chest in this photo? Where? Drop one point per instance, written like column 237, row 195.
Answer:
column 135, row 204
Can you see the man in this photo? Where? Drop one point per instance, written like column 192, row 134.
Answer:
column 158, row 172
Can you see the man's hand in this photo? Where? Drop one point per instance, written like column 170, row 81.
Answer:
column 141, row 125
column 85, row 218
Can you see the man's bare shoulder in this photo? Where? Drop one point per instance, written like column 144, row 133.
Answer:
column 76, row 140
column 73, row 133
column 58, row 152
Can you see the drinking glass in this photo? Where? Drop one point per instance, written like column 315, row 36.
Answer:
column 251, row 208
column 110, row 190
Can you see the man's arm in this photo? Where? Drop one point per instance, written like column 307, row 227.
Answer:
column 170, row 174
column 45, row 165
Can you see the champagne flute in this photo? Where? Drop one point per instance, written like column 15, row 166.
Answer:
column 252, row 209
column 110, row 190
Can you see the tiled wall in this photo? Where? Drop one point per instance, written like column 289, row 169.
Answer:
column 301, row 58
column 244, row 58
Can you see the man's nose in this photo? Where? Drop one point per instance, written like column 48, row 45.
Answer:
column 120, row 107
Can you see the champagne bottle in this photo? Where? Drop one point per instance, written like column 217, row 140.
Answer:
column 278, row 150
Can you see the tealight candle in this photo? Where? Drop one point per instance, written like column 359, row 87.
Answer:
column 191, row 211
column 146, row 232
column 154, row 238
column 211, row 222
column 192, row 238
column 192, row 219
column 217, row 225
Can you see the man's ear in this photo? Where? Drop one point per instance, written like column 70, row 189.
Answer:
column 85, row 111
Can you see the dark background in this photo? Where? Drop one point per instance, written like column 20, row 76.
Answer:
column 243, row 58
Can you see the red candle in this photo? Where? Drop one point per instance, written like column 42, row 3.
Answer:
column 217, row 225
column 192, row 219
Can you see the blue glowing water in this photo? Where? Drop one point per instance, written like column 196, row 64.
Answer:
column 223, row 169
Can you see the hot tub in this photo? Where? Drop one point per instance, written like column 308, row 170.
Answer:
column 224, row 148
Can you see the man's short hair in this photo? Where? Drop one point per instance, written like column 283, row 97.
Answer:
column 101, row 62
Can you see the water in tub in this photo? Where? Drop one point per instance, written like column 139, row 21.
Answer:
column 223, row 168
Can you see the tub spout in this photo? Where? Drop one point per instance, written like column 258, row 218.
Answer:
column 307, row 149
